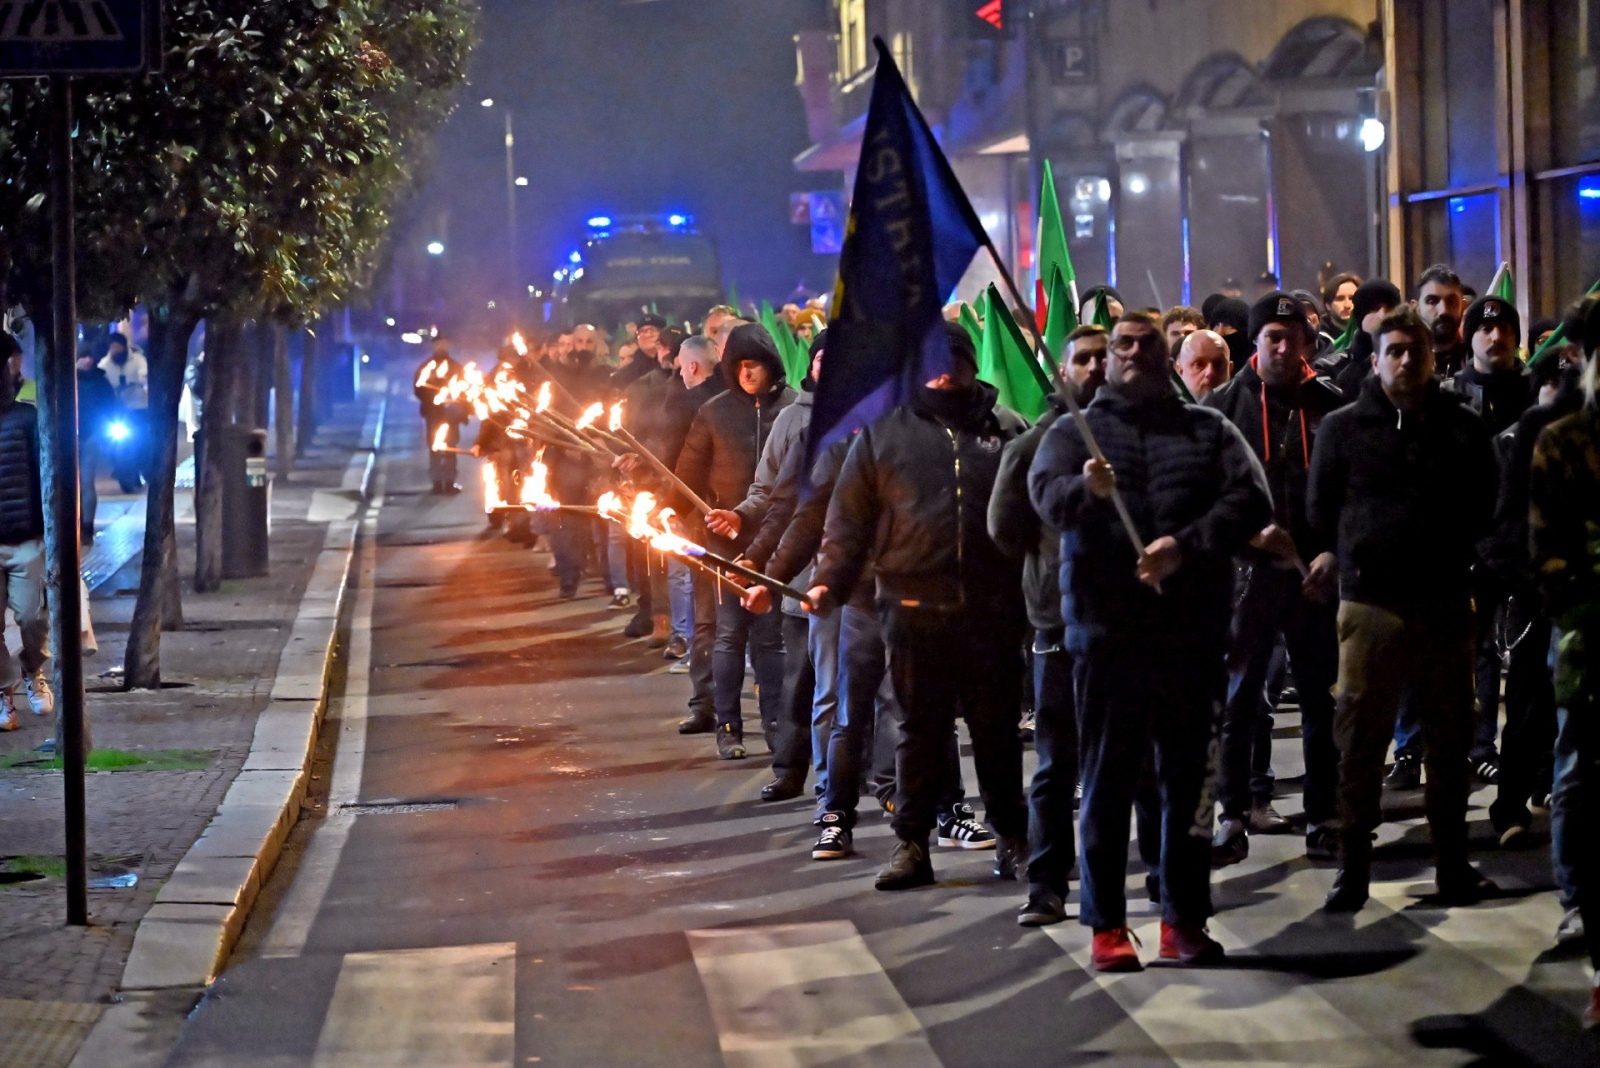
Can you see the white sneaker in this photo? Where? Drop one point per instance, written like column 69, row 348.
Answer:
column 40, row 698
column 8, row 713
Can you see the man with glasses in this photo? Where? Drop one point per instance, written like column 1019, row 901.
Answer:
column 1146, row 629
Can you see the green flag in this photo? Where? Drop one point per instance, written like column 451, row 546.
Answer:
column 1343, row 342
column 1102, row 311
column 1503, row 286
column 1007, row 363
column 733, row 298
column 796, row 360
column 969, row 319
column 1050, row 248
column 1560, row 334
column 1061, row 322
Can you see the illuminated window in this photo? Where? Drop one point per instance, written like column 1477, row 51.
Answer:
column 852, row 37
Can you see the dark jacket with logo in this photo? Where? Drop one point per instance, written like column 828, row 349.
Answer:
column 913, row 498
column 1183, row 471
column 1017, row 528
column 1404, row 497
column 1499, row 397
column 21, row 507
column 1280, row 426
column 727, row 435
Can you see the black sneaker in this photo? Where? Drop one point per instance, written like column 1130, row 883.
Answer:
column 1349, row 893
column 1044, row 907
column 697, row 725
column 1230, row 845
column 729, row 745
column 834, row 841
column 908, row 867
column 783, row 788
column 1406, row 773
column 1487, row 769
column 621, row 600
column 1459, row 883
column 960, row 829
column 1025, row 732
column 677, row 648
column 639, row 626
column 1322, row 844
column 1010, row 854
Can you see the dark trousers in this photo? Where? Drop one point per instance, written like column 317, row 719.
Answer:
column 1423, row 657
column 738, row 630
column 570, row 536
column 88, row 467
column 441, row 465
column 701, row 643
column 941, row 661
column 1052, row 843
column 1528, row 742
column 1269, row 604
column 1490, row 599
column 1136, row 693
column 793, row 754
column 642, row 571
column 1575, row 657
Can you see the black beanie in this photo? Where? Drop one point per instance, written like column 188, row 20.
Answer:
column 1230, row 311
column 1278, row 307
column 1373, row 294
column 818, row 343
column 1209, row 304
column 1491, row 308
column 960, row 342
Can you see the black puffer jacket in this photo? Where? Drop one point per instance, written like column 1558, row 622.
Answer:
column 1016, row 527
column 719, row 455
column 21, row 508
column 913, row 497
column 1282, row 433
column 1404, row 497
column 1184, row 472
column 1499, row 397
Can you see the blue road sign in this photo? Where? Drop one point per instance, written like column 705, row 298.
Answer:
column 78, row 36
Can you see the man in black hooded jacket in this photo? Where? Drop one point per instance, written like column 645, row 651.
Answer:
column 718, row 462
column 913, row 496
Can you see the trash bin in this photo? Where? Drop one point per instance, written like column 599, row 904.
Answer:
column 246, row 499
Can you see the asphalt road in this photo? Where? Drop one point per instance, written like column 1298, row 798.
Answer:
column 548, row 873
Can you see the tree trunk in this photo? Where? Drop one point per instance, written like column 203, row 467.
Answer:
column 158, row 605
column 282, row 403
column 307, row 410
column 223, row 335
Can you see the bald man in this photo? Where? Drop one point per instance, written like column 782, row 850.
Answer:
column 1203, row 364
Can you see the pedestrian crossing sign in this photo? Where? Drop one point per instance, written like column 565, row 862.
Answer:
column 78, row 37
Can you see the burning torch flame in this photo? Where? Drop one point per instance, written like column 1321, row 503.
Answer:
column 664, row 540
column 616, row 417
column 544, row 399
column 426, row 373
column 590, row 414
column 639, row 518
column 536, row 487
column 439, row 437
column 609, row 505
column 491, row 489
column 519, row 343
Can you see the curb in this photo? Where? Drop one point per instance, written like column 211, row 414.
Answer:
column 186, row 937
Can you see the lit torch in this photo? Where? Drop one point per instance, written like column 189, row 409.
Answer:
column 626, row 438
column 492, row 500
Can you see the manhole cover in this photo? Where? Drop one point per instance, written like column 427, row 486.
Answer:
column 397, row 808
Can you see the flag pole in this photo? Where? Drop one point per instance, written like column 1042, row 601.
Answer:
column 1072, row 401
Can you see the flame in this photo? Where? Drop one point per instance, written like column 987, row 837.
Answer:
column 610, row 506
column 492, row 499
column 664, row 540
column 590, row 414
column 536, row 487
column 616, row 417
column 519, row 343
column 439, row 437
column 426, row 373
column 639, row 517
column 544, row 398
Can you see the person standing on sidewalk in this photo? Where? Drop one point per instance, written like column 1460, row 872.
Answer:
column 1286, row 584
column 430, row 378
column 129, row 375
column 97, row 402
column 22, row 554
column 1147, row 631
column 1403, row 483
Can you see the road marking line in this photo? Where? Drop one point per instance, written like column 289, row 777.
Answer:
column 452, row 1005
column 291, row 925
column 788, row 995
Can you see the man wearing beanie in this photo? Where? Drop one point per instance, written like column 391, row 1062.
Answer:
column 1148, row 665
column 1496, row 384
column 1403, row 483
column 1231, row 318
column 913, row 497
column 1347, row 369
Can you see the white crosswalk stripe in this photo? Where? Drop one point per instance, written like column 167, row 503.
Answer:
column 422, row 1007
column 795, row 995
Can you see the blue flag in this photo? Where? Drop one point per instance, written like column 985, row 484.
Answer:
column 910, row 237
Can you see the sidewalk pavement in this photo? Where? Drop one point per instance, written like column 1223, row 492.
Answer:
column 220, row 673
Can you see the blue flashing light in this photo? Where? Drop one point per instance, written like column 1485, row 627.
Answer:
column 118, row 431
column 576, row 256
column 1589, row 188
column 678, row 220
column 600, row 222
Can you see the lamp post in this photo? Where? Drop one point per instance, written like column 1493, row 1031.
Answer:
column 511, row 194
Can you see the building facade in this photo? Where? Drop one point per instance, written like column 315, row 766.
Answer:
column 1195, row 142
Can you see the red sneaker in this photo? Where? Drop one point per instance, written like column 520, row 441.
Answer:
column 1113, row 951
column 1189, row 944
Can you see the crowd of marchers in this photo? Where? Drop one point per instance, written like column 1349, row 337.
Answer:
column 1380, row 510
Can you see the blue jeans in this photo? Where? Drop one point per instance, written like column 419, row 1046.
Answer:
column 1566, row 839
column 680, row 595
column 1052, row 845
column 763, row 635
column 822, row 640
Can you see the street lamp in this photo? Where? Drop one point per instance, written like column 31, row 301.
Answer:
column 512, row 182
column 436, row 248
